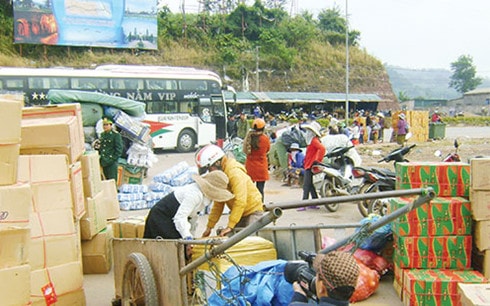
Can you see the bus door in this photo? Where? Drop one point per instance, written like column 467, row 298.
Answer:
column 219, row 116
column 207, row 127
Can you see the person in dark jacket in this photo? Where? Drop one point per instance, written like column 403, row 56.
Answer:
column 111, row 148
column 336, row 279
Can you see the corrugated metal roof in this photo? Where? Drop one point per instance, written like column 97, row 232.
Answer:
column 478, row 91
column 299, row 97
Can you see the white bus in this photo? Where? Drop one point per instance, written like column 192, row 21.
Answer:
column 185, row 107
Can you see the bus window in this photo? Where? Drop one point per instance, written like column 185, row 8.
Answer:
column 133, row 83
column 189, row 107
column 88, row 83
column 14, row 83
column 47, row 83
column 117, row 84
column 198, row 85
column 154, row 84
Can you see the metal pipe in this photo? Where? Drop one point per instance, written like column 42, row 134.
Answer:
column 247, row 231
column 349, row 198
column 424, row 198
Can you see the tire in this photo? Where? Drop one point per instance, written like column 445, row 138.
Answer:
column 377, row 206
column 186, row 141
column 138, row 287
column 363, row 205
column 327, row 190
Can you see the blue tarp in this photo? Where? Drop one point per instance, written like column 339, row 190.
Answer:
column 265, row 285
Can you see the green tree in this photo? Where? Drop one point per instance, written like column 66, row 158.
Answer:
column 464, row 76
column 402, row 96
column 333, row 27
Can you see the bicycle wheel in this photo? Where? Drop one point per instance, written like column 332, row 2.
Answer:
column 138, row 287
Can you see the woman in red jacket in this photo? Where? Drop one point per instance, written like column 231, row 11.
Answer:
column 256, row 145
column 315, row 151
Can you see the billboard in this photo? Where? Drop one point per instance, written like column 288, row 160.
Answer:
column 90, row 23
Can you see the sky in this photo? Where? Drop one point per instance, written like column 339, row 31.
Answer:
column 416, row 34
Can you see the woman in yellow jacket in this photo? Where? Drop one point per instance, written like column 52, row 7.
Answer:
column 246, row 207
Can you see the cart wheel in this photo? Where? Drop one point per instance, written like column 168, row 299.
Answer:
column 138, row 287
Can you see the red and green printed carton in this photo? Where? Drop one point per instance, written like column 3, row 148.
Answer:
column 438, row 252
column 447, row 179
column 436, row 287
column 440, row 217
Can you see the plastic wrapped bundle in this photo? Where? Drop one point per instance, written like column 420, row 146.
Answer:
column 131, row 188
column 167, row 175
column 185, row 177
column 135, row 196
column 160, row 187
column 133, row 205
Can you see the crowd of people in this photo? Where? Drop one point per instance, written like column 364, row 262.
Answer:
column 222, row 182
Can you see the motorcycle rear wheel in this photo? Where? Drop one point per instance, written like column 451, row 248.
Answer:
column 328, row 190
column 363, row 205
column 377, row 206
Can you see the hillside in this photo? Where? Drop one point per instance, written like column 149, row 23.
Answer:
column 424, row 83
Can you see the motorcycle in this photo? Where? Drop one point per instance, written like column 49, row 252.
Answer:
column 335, row 178
column 380, row 179
column 451, row 157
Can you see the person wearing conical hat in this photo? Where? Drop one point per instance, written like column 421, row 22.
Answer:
column 111, row 148
column 175, row 215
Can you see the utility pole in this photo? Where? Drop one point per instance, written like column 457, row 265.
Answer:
column 346, row 64
column 257, row 81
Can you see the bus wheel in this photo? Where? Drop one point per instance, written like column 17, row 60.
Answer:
column 186, row 141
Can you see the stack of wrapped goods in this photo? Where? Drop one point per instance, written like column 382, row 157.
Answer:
column 480, row 210
column 15, row 205
column 101, row 205
column 51, row 146
column 70, row 204
column 433, row 242
column 418, row 122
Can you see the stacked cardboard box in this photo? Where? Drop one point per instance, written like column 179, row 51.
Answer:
column 15, row 205
column 418, row 121
column 433, row 243
column 480, row 209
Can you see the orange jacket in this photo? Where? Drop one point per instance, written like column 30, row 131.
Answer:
column 256, row 163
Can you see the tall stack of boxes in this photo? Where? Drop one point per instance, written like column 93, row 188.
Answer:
column 433, row 243
column 418, row 122
column 15, row 205
column 480, row 208
column 53, row 206
column 51, row 147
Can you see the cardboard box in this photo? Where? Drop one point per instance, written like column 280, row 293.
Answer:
column 94, row 220
column 435, row 287
column 480, row 204
column 52, row 223
column 109, row 191
column 438, row 252
column 474, row 294
column 9, row 159
column 14, row 247
column 43, row 168
column 76, row 182
column 129, row 174
column 64, row 278
column 480, row 176
column 52, row 196
column 482, row 235
column 55, row 110
column 75, row 298
column 92, row 182
column 442, row 216
column 97, row 253
column 15, row 205
column 16, row 284
column 130, row 227
column 50, row 251
column 10, row 117
column 52, row 136
column 447, row 179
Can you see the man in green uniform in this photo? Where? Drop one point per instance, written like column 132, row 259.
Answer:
column 242, row 126
column 111, row 147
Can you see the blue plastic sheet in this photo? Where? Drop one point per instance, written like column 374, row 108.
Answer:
column 262, row 284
